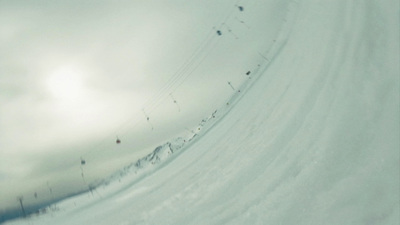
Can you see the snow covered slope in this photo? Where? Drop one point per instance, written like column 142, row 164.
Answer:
column 311, row 138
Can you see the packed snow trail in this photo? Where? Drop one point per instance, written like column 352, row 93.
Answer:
column 313, row 140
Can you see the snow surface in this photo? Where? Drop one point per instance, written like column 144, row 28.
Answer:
column 311, row 138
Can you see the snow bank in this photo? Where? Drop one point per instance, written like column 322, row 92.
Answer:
column 311, row 138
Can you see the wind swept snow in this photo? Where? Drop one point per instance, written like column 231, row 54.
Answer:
column 311, row 138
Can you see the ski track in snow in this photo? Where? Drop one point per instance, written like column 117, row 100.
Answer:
column 312, row 138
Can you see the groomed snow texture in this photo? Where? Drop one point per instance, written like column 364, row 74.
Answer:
column 311, row 138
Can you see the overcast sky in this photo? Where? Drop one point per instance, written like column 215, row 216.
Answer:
column 74, row 75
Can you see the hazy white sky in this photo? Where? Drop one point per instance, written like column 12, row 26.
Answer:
column 74, row 75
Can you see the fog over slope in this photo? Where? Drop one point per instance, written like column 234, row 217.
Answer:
column 312, row 137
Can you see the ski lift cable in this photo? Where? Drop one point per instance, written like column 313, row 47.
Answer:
column 180, row 76
column 229, row 17
column 186, row 64
column 164, row 89
column 175, row 78
column 184, row 78
column 180, row 72
column 179, row 83
column 172, row 86
column 200, row 63
column 155, row 101
column 168, row 87
column 230, row 30
column 177, row 75
column 174, row 82
column 141, row 121
column 230, row 12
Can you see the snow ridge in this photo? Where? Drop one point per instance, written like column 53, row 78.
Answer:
column 163, row 153
column 160, row 154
